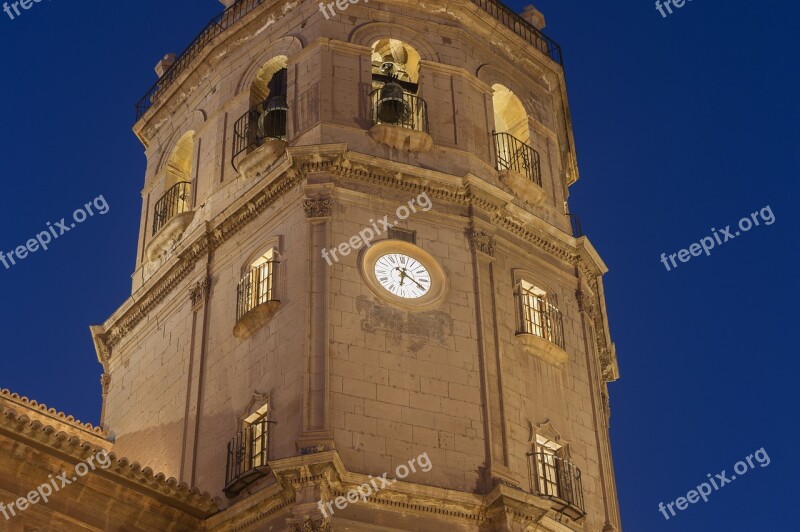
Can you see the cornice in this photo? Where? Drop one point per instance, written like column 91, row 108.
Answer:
column 74, row 445
column 36, row 411
column 335, row 159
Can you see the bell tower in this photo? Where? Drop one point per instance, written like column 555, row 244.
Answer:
column 360, row 300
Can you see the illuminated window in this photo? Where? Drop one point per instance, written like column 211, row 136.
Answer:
column 546, row 453
column 255, row 426
column 538, row 314
column 258, row 284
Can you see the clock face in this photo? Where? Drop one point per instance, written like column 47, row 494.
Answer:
column 402, row 275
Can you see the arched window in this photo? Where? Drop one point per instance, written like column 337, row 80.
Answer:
column 177, row 197
column 512, row 136
column 395, row 83
column 267, row 117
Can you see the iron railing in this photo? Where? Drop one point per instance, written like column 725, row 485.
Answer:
column 522, row 27
column 577, row 228
column 240, row 8
column 539, row 317
column 175, row 201
column 265, row 121
column 248, row 453
column 513, row 154
column 408, row 111
column 256, row 287
column 557, row 479
column 214, row 28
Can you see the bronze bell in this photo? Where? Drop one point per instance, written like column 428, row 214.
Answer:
column 392, row 107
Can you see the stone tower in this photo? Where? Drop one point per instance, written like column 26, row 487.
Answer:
column 356, row 258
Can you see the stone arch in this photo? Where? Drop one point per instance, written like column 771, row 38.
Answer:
column 179, row 163
column 372, row 32
column 491, row 75
column 288, row 46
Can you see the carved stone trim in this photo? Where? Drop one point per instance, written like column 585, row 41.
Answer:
column 586, row 302
column 199, row 292
column 483, row 242
column 309, row 524
column 105, row 382
column 208, row 242
column 320, row 207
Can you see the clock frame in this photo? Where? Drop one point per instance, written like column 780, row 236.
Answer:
column 438, row 280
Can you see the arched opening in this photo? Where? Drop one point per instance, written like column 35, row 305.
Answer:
column 509, row 113
column 391, row 56
column 177, row 197
column 512, row 136
column 179, row 164
column 268, row 111
column 395, row 83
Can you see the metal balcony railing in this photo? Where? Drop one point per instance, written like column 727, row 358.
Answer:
column 176, row 200
column 559, row 480
column 256, row 287
column 240, row 8
column 215, row 27
column 540, row 317
column 400, row 108
column 522, row 27
column 248, row 453
column 265, row 121
column 513, row 154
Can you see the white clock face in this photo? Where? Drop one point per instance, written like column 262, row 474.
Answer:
column 402, row 275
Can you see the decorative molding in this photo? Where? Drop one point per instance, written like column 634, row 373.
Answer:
column 483, row 242
column 339, row 164
column 606, row 407
column 57, row 442
column 209, row 241
column 105, row 382
column 319, row 207
column 586, row 302
column 199, row 292
column 309, row 524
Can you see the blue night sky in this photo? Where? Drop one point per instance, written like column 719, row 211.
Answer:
column 682, row 124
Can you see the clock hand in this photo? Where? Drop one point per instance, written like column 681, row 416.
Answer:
column 402, row 274
column 414, row 281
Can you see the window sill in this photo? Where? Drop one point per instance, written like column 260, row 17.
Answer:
column 258, row 161
column 401, row 138
column 255, row 318
column 523, row 187
column 544, row 349
column 168, row 234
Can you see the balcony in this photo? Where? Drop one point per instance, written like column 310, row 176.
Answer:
column 259, row 137
column 400, row 119
column 171, row 216
column 248, row 453
column 519, row 167
column 239, row 9
column 541, row 329
column 558, row 480
column 256, row 300
column 522, row 27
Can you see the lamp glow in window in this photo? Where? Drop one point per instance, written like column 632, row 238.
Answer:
column 258, row 284
column 546, row 466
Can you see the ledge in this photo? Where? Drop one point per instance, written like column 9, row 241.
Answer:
column 258, row 161
column 523, row 187
column 171, row 232
column 544, row 349
column 255, row 318
column 401, row 138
